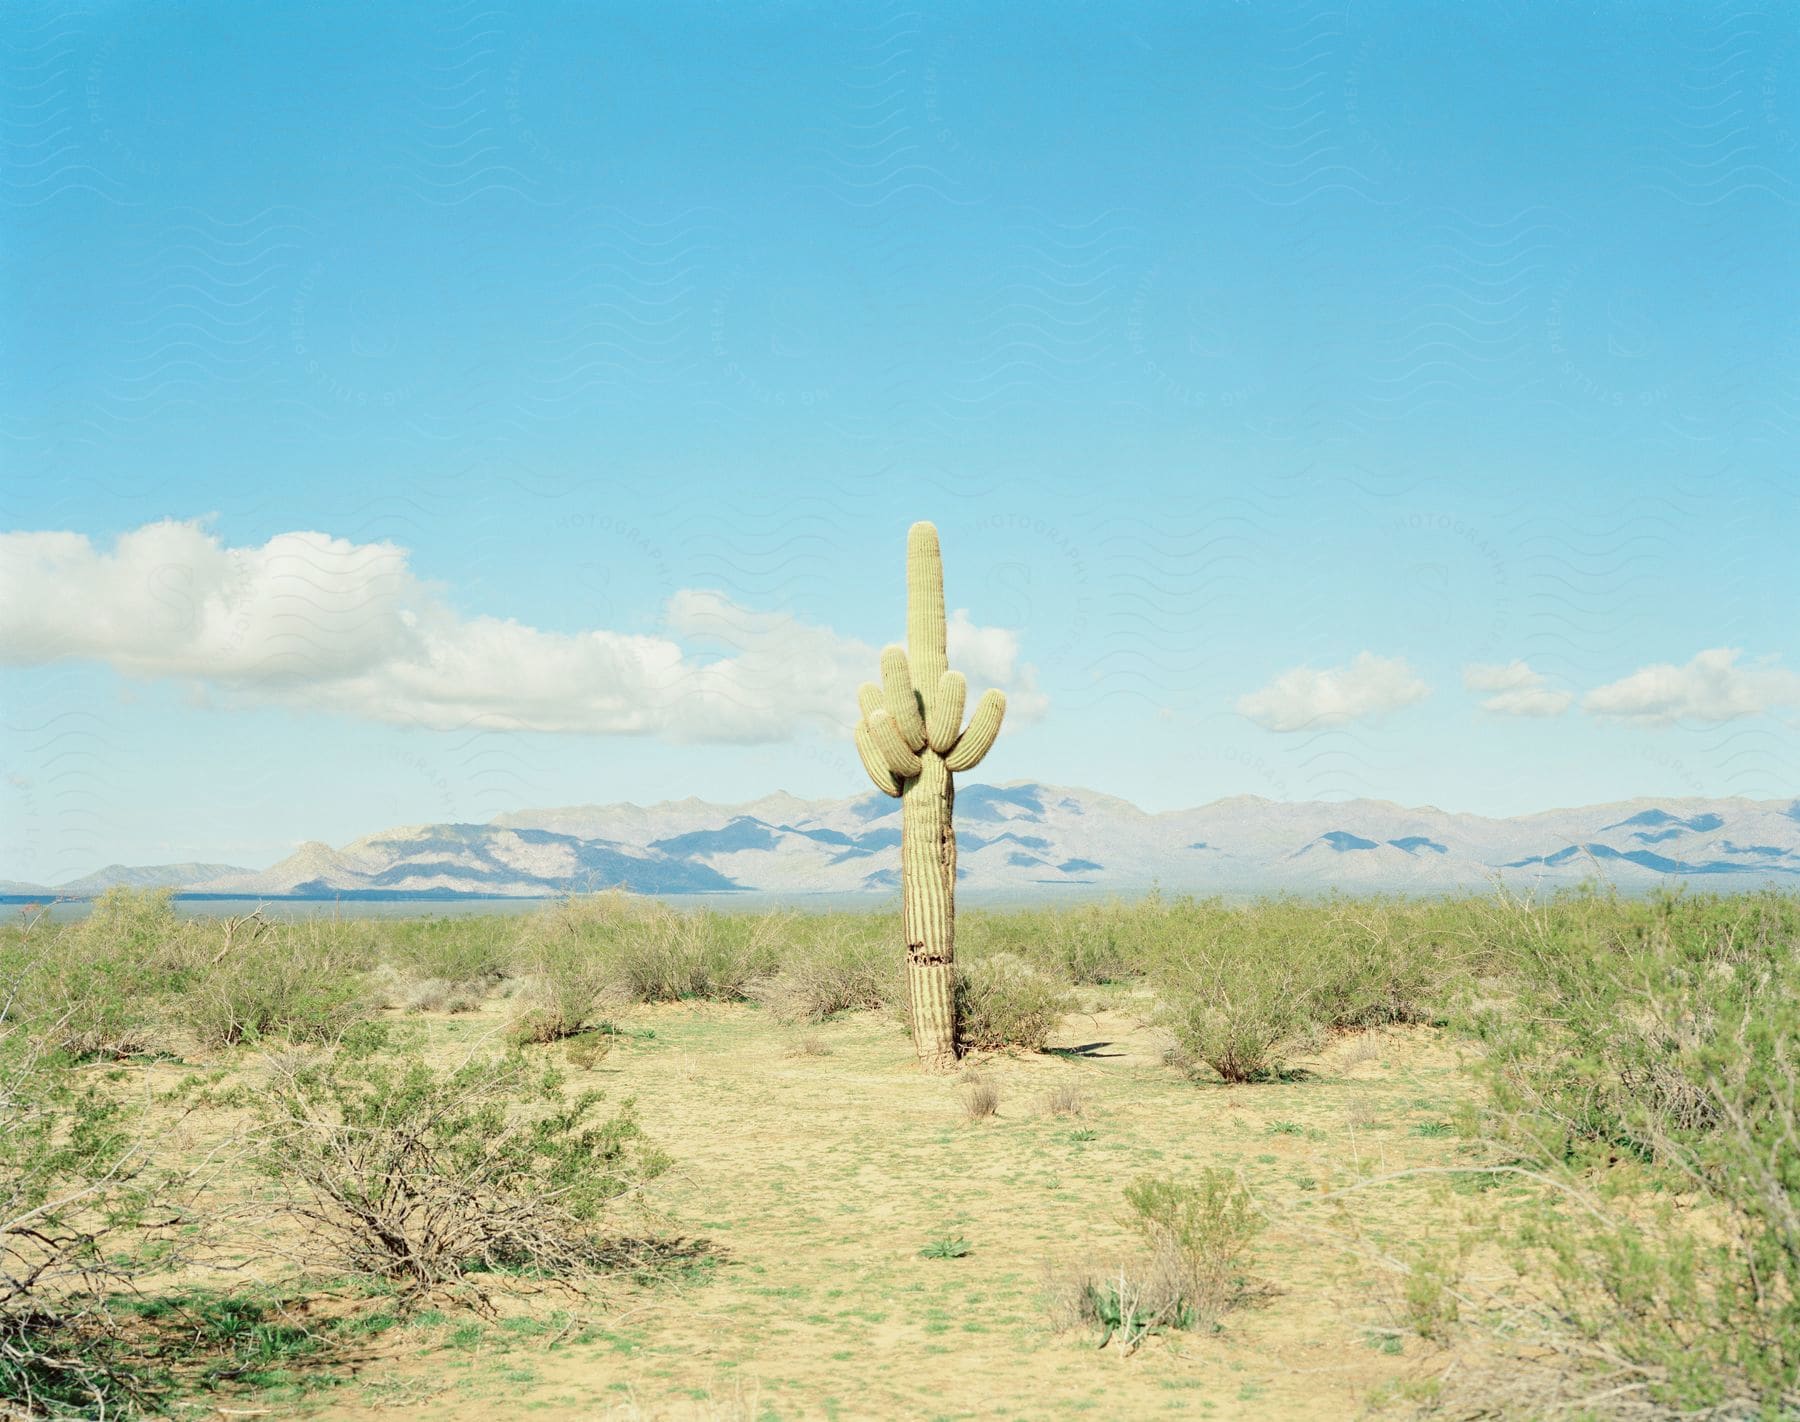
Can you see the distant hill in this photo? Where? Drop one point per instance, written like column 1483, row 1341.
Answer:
column 1033, row 837
column 1020, row 838
column 138, row 876
column 473, row 859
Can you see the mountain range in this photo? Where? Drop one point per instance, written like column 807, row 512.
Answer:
column 1022, row 838
column 136, row 876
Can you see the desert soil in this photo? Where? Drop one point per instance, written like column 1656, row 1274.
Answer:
column 820, row 1177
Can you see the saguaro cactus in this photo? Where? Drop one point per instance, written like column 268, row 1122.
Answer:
column 912, row 740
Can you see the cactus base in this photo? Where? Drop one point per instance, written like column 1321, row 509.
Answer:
column 931, row 996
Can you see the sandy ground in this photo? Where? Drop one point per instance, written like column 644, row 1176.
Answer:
column 821, row 1177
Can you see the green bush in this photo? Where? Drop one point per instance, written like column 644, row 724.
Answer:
column 1237, row 996
column 437, row 995
column 1090, row 943
column 421, row 1175
column 94, row 988
column 592, row 949
column 570, row 976
column 844, row 963
column 86, row 1005
column 1081, row 944
column 1628, row 1026
column 136, row 923
column 1198, row 1235
column 300, row 981
column 1003, row 1003
column 1379, row 961
column 1650, row 1068
column 674, row 955
column 466, row 949
column 73, row 1193
column 120, row 981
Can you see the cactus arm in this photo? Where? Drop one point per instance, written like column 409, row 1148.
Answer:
column 944, row 718
column 901, row 700
column 900, row 758
column 978, row 739
column 868, row 699
column 925, row 633
column 873, row 763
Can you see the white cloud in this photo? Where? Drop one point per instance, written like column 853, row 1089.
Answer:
column 1306, row 698
column 989, row 656
column 1711, row 687
column 1514, row 689
column 314, row 621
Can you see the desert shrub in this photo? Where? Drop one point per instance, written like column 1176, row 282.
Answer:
column 1198, row 1236
column 588, row 1049
column 80, row 1218
column 302, row 981
column 420, row 1175
column 1112, row 942
column 1650, row 1071
column 1377, row 961
column 1091, row 943
column 1245, row 985
column 87, row 1005
column 1004, row 1003
column 677, row 955
column 440, row 995
column 980, row 1098
column 1087, row 943
column 1632, row 1027
column 1064, row 1100
column 95, row 988
column 1239, row 1002
column 539, row 1023
column 570, row 979
column 1428, row 1288
column 136, row 922
column 842, row 967
column 597, row 948
column 466, row 949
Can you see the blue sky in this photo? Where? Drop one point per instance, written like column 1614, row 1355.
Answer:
column 525, row 404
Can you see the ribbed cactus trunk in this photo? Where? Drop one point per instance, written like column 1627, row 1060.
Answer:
column 928, row 907
column 911, row 738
